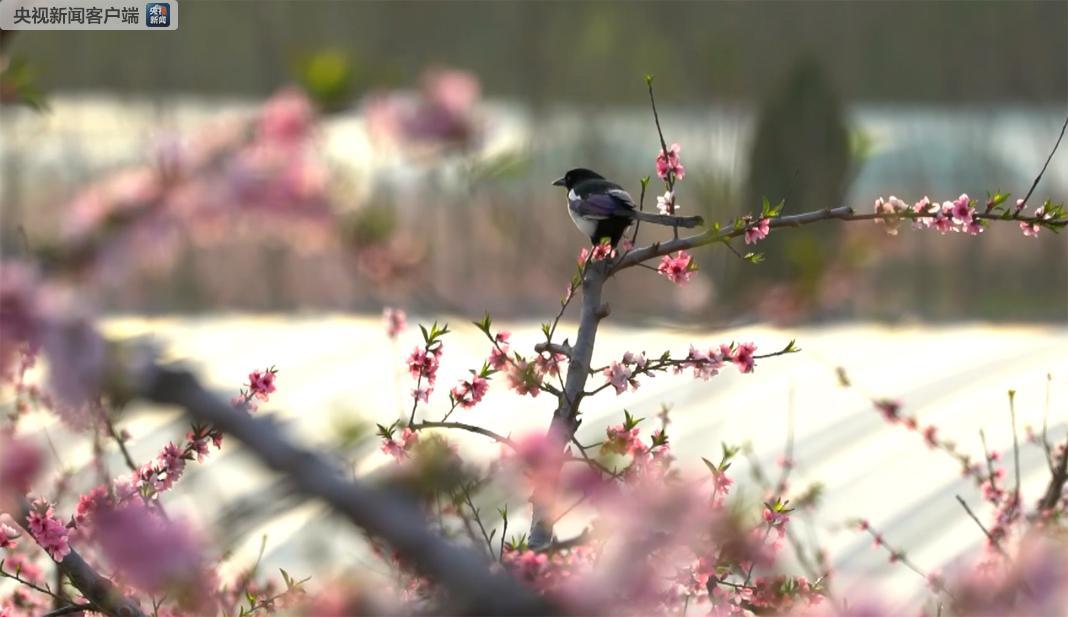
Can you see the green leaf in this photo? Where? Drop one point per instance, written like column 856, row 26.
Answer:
column 426, row 335
column 754, row 258
column 630, row 421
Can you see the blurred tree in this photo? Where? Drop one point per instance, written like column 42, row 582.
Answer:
column 800, row 153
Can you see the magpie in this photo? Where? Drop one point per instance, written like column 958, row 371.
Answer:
column 601, row 208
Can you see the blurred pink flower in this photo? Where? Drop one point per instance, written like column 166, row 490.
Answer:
column 154, row 554
column 442, row 114
column 523, row 378
column 286, row 117
column 20, row 462
column 8, row 535
column 396, row 321
column 398, row 448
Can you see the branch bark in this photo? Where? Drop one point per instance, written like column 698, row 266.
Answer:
column 565, row 419
column 1055, row 488
column 472, row 586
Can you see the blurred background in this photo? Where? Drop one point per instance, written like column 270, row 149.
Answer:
column 301, row 165
column 435, row 130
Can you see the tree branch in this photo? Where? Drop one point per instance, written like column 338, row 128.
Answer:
column 471, row 428
column 565, row 420
column 1055, row 488
column 461, row 571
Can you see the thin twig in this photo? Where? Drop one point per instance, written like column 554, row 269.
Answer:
column 1049, row 158
column 986, row 532
column 471, row 428
column 1015, row 445
column 478, row 518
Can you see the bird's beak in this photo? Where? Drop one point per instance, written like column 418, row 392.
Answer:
column 560, row 182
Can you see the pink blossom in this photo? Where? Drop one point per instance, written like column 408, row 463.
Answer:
column 423, row 364
column 665, row 204
column 721, row 483
column 523, row 378
column 602, row 251
column 396, row 321
column 261, row 384
column 49, row 532
column 757, row 231
column 422, row 393
column 678, row 269
column 160, row 474
column 398, row 449
column 599, row 253
column 776, row 520
column 973, row 227
column 498, row 358
column 1030, row 229
column 742, row 357
column 20, row 462
column 889, row 408
column 8, row 535
column 923, row 206
column 705, row 364
column 548, row 363
column 469, row 392
column 890, row 208
column 635, row 359
column 961, row 210
column 620, row 377
column 667, row 163
column 622, row 441
column 90, row 503
column 942, row 219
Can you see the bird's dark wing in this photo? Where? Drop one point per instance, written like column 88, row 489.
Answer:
column 603, row 205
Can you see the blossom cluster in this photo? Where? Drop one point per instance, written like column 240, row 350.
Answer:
column 48, row 530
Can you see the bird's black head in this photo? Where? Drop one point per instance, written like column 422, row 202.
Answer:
column 577, row 175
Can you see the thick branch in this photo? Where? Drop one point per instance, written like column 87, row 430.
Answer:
column 658, row 249
column 460, row 571
column 842, row 213
column 565, row 420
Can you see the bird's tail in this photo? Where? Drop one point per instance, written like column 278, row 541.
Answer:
column 668, row 220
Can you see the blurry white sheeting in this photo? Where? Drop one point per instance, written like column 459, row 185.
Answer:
column 940, row 150
column 338, row 367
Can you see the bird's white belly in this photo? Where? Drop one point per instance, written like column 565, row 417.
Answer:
column 586, row 226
